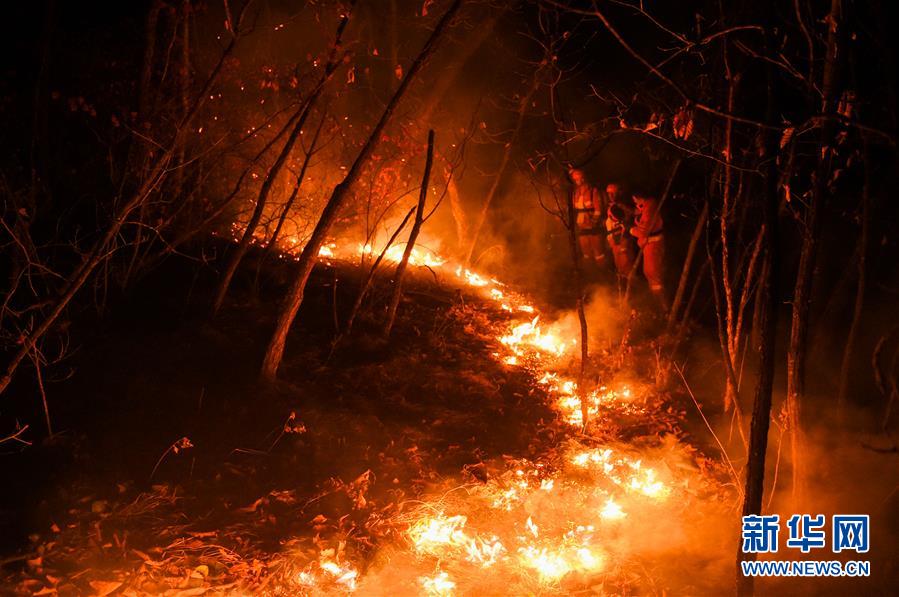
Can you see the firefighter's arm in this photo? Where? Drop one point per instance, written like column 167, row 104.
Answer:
column 639, row 229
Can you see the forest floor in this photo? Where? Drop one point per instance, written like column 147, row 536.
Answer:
column 450, row 459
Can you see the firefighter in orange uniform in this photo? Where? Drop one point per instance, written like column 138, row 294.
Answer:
column 618, row 218
column 647, row 230
column 587, row 204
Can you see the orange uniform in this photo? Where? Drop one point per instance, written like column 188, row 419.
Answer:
column 647, row 230
column 618, row 218
column 587, row 204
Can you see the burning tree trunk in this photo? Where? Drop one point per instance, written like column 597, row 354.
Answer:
column 244, row 244
column 410, row 244
column 796, row 358
column 275, row 350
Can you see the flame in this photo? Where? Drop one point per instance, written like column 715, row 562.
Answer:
column 552, row 564
column 529, row 334
column 433, row 535
column 439, row 584
column 612, row 511
column 485, row 553
column 605, row 479
column 344, row 575
column 623, row 471
column 419, row 256
column 472, row 278
column 324, row 251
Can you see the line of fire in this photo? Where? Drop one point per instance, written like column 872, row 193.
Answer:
column 449, row 297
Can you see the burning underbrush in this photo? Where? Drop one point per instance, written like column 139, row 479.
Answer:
column 613, row 510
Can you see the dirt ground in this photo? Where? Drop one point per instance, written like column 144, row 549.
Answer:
column 156, row 371
column 172, row 471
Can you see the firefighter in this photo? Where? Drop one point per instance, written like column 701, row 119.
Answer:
column 648, row 230
column 619, row 216
column 587, row 204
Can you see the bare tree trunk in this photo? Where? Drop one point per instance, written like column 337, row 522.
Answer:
column 366, row 283
column 182, row 23
column 796, row 358
column 862, row 253
column 410, row 244
column 688, row 262
column 184, row 81
column 767, row 295
column 852, row 335
column 729, row 371
column 275, row 350
column 244, row 245
column 730, row 391
column 571, row 225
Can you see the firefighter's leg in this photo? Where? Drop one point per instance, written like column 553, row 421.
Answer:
column 654, row 270
column 596, row 249
column 624, row 257
column 583, row 241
